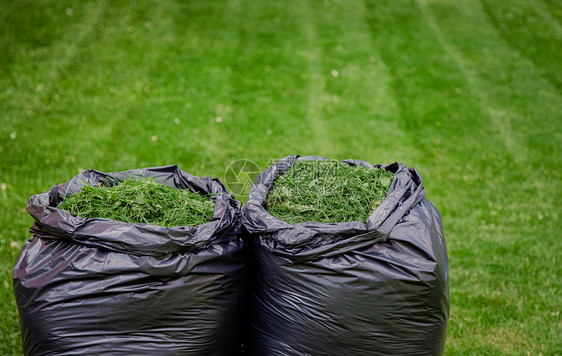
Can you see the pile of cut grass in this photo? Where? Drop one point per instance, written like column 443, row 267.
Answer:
column 141, row 201
column 327, row 191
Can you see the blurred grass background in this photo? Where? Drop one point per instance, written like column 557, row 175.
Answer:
column 467, row 92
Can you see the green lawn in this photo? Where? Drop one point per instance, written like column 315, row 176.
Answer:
column 467, row 92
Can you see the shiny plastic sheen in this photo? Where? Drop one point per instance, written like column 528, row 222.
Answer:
column 100, row 286
column 378, row 287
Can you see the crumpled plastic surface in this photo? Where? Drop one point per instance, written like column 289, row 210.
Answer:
column 100, row 286
column 378, row 287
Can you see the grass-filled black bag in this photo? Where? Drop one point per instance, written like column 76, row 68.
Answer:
column 374, row 287
column 105, row 287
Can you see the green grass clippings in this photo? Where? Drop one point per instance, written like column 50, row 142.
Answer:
column 327, row 191
column 141, row 201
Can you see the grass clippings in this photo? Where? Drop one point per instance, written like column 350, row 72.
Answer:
column 141, row 201
column 327, row 191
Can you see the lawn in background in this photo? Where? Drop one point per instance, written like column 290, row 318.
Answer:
column 467, row 92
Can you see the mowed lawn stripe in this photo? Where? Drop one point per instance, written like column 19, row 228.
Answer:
column 459, row 124
column 193, row 90
column 533, row 118
column 270, row 80
column 534, row 29
column 38, row 47
column 496, row 68
column 337, row 80
column 436, row 109
column 357, row 105
column 32, row 93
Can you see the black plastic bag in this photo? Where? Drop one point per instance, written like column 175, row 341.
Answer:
column 378, row 287
column 104, row 287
